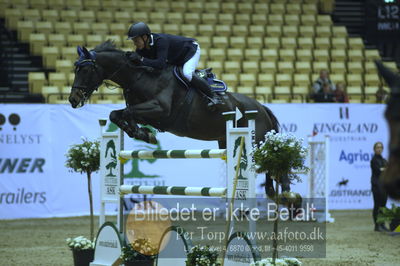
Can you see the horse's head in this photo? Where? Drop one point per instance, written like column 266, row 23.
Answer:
column 391, row 176
column 88, row 77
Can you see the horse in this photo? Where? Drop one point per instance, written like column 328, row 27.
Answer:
column 391, row 175
column 157, row 98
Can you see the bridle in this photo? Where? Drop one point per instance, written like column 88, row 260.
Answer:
column 92, row 62
column 86, row 91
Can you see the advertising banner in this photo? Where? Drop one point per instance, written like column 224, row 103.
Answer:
column 353, row 129
column 34, row 139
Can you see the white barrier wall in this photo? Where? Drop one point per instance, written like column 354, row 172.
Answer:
column 34, row 139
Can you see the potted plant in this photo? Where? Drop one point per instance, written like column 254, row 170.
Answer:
column 82, row 250
column 85, row 158
column 391, row 216
column 280, row 155
column 280, row 262
column 139, row 253
column 202, row 256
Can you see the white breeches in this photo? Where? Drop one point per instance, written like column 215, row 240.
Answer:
column 190, row 66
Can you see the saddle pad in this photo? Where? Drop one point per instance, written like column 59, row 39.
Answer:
column 216, row 84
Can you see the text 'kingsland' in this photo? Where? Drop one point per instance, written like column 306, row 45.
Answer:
column 345, row 128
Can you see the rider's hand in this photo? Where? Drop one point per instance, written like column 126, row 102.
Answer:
column 134, row 57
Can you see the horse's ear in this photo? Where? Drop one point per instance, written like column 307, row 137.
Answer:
column 79, row 50
column 86, row 53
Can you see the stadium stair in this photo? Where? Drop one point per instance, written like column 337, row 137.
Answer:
column 16, row 63
column 351, row 13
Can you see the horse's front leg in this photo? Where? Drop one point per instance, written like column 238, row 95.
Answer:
column 128, row 124
column 117, row 118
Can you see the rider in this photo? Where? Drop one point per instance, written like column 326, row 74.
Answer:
column 157, row 50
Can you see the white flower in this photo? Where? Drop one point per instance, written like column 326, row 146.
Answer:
column 282, row 262
column 80, row 243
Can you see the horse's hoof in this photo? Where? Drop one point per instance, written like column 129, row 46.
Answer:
column 130, row 133
column 270, row 191
column 152, row 138
column 290, row 198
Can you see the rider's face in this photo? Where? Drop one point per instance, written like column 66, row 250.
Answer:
column 378, row 148
column 139, row 41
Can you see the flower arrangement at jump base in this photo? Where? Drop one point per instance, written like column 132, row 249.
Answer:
column 80, row 243
column 280, row 155
column 278, row 262
column 140, row 252
column 202, row 256
column 84, row 158
column 82, row 250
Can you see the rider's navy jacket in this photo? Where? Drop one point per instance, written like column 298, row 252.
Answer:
column 167, row 49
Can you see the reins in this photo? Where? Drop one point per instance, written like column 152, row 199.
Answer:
column 115, row 85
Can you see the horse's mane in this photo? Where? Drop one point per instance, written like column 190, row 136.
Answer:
column 107, row 46
column 110, row 46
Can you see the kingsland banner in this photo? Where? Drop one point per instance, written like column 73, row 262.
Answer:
column 34, row 139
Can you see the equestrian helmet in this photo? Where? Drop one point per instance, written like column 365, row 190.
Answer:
column 138, row 29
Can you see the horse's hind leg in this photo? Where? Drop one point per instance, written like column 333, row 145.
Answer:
column 285, row 183
column 269, row 186
column 222, row 144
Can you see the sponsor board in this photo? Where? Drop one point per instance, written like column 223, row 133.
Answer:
column 34, row 181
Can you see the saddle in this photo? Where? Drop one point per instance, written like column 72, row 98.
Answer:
column 216, row 84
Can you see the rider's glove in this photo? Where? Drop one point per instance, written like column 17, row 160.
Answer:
column 134, row 57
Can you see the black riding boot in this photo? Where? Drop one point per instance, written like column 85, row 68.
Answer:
column 202, row 85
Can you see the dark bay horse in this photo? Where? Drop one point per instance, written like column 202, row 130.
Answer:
column 391, row 176
column 155, row 97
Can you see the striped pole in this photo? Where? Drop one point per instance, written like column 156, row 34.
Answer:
column 168, row 154
column 174, row 190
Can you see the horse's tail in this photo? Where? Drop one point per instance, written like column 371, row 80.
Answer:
column 274, row 120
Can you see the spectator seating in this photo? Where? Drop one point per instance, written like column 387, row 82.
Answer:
column 270, row 50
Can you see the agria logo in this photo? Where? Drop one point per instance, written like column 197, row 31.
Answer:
column 13, row 119
column 355, row 157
